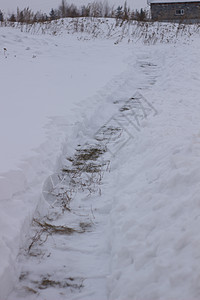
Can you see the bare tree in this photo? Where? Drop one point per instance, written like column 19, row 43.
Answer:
column 85, row 10
column 63, row 9
column 106, row 9
column 1, row 16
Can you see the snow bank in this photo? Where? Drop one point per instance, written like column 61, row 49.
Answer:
column 112, row 29
column 155, row 238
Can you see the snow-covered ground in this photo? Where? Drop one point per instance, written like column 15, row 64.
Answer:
column 48, row 85
column 57, row 90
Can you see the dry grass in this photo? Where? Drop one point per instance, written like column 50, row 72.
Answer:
column 46, row 282
column 53, row 229
column 107, row 133
column 30, row 290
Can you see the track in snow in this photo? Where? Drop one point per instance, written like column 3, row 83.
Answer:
column 66, row 256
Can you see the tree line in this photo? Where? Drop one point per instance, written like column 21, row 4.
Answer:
column 65, row 10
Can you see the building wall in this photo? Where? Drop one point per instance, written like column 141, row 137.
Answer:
column 167, row 11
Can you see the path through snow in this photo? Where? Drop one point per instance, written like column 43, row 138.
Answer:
column 67, row 255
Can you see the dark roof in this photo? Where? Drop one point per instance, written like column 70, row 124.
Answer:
column 171, row 1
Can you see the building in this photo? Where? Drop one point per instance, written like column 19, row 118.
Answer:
column 175, row 10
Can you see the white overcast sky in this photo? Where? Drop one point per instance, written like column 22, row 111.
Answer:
column 9, row 6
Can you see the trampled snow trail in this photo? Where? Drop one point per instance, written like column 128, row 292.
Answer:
column 67, row 255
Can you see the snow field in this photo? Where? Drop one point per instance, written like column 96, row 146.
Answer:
column 151, row 245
